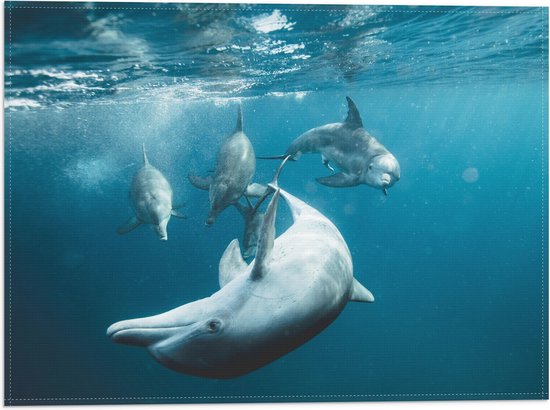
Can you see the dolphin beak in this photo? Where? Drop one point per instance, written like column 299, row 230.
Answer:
column 160, row 229
column 132, row 334
column 150, row 330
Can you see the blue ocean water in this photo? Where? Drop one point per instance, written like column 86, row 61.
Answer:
column 455, row 254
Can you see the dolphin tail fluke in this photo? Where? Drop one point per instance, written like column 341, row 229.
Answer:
column 274, row 184
column 359, row 293
column 145, row 160
column 264, row 191
column 200, row 182
column 128, row 226
column 266, row 240
column 232, row 263
column 239, row 127
column 354, row 118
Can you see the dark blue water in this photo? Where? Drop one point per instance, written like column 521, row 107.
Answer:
column 454, row 255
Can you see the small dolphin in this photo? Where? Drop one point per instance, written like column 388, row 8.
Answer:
column 151, row 197
column 253, row 220
column 235, row 167
column 295, row 287
column 359, row 156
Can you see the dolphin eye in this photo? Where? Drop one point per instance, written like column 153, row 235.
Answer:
column 214, row 326
column 370, row 167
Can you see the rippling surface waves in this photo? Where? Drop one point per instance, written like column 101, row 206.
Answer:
column 132, row 51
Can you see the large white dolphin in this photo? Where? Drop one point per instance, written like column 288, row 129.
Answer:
column 294, row 288
column 359, row 156
column 235, row 167
column 151, row 198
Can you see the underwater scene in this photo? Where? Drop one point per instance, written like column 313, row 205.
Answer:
column 271, row 203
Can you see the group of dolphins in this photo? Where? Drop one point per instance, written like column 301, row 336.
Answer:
column 297, row 283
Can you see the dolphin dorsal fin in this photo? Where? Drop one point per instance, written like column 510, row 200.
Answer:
column 232, row 263
column 353, row 119
column 239, row 127
column 266, row 240
column 145, row 160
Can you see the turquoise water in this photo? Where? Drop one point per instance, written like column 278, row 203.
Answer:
column 453, row 255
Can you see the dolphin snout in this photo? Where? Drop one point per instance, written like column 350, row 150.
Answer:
column 124, row 333
column 112, row 329
column 131, row 333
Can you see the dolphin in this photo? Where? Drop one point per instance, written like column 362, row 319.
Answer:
column 253, row 220
column 359, row 156
column 235, row 167
column 151, row 197
column 295, row 287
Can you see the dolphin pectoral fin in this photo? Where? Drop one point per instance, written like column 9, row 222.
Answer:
column 359, row 293
column 255, row 190
column 266, row 240
column 340, row 180
column 326, row 163
column 232, row 263
column 385, row 190
column 177, row 214
column 353, row 120
column 128, row 226
column 200, row 182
